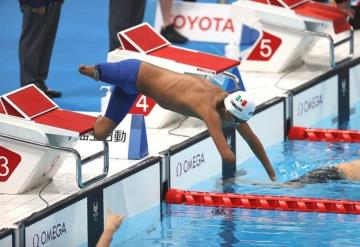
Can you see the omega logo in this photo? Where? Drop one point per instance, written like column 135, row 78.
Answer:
column 309, row 104
column 47, row 236
column 188, row 165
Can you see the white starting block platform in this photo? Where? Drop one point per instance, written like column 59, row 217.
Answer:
column 36, row 136
column 288, row 29
column 264, row 86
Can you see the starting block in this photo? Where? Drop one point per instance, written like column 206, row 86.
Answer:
column 287, row 29
column 156, row 50
column 127, row 141
column 36, row 136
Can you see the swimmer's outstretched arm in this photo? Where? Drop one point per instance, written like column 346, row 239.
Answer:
column 257, row 147
column 214, row 125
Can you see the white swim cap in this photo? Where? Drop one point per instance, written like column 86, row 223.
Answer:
column 240, row 104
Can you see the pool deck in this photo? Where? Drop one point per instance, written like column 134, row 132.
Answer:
column 264, row 86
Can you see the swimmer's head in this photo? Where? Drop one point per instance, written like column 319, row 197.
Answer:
column 241, row 105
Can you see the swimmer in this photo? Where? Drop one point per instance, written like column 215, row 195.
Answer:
column 182, row 93
column 342, row 171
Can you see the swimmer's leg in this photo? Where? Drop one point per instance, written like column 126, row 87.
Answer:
column 88, row 70
column 122, row 74
column 119, row 105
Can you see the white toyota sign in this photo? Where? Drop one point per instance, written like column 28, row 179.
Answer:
column 206, row 22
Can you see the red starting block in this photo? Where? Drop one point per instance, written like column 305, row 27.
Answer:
column 36, row 137
column 287, row 29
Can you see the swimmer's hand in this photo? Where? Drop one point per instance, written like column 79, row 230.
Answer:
column 112, row 223
column 271, row 173
column 228, row 157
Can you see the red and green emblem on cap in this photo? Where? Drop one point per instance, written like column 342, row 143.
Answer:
column 243, row 102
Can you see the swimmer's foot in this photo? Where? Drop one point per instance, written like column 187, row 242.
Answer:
column 90, row 71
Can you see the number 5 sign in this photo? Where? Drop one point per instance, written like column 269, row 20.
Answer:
column 143, row 105
column 8, row 162
column 265, row 48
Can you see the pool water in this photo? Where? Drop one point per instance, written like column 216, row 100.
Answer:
column 209, row 226
column 291, row 160
column 184, row 225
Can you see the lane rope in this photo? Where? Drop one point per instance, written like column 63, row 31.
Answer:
column 326, row 135
column 284, row 203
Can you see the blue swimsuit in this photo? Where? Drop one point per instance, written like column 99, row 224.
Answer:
column 123, row 75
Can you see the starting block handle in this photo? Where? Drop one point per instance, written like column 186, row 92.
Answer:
column 225, row 73
column 332, row 45
column 349, row 39
column 232, row 77
column 79, row 162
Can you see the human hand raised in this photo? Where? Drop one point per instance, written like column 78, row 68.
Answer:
column 113, row 221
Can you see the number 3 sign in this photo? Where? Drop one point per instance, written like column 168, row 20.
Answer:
column 265, row 48
column 8, row 162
